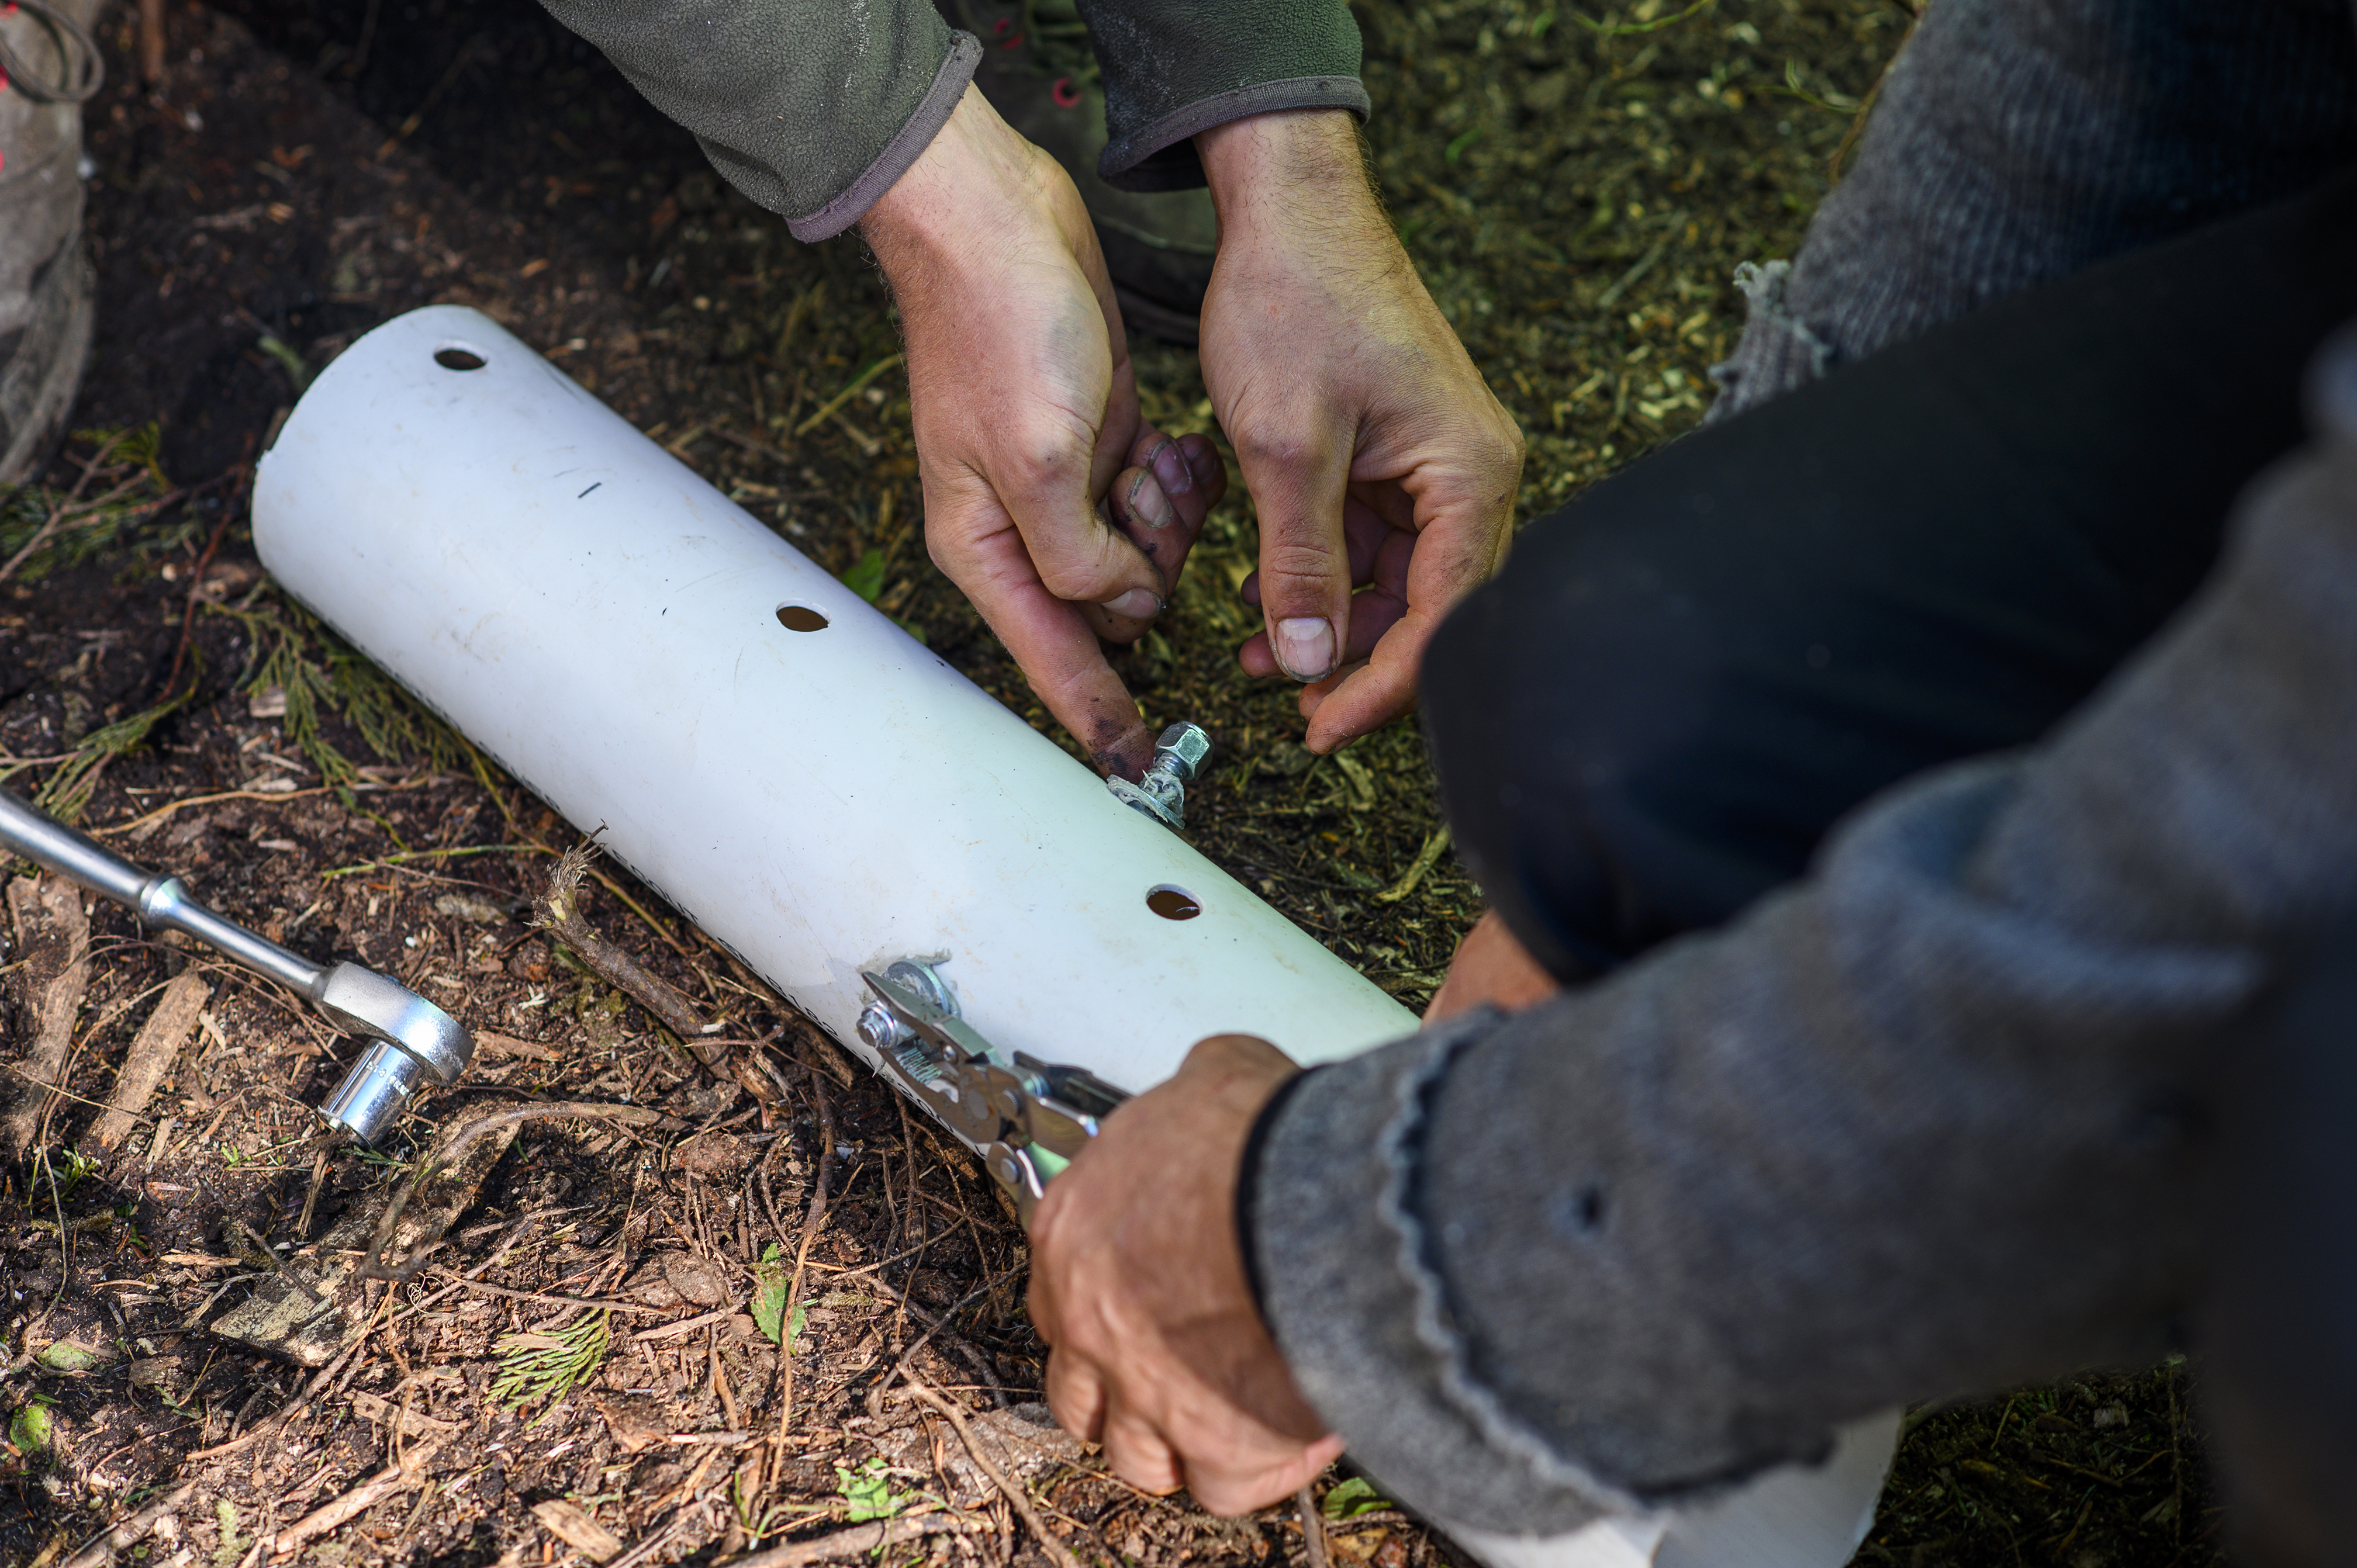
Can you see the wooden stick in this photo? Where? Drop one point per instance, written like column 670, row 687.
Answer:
column 152, row 41
column 811, row 1224
column 557, row 911
column 856, row 1542
column 398, row 1478
column 1313, row 1525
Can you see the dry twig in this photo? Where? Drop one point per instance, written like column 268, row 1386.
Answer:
column 1313, row 1526
column 399, row 1476
column 557, row 911
column 100, row 1549
column 856, row 1542
column 1018, row 1499
column 816, row 1218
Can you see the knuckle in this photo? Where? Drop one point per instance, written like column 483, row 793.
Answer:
column 1290, row 570
column 1069, row 574
column 1045, row 457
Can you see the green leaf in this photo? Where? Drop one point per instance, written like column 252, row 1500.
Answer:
column 65, row 1356
column 865, row 577
column 770, row 1285
column 868, row 1492
column 1351, row 1497
column 30, row 1431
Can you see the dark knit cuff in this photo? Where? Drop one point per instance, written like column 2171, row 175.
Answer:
column 1248, row 1177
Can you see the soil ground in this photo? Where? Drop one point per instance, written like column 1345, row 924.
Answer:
column 1577, row 190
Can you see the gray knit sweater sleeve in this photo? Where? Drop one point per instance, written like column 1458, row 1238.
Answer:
column 1175, row 67
column 1929, row 1123
column 813, row 108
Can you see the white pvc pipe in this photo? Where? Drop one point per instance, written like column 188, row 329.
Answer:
column 607, row 626
column 585, row 608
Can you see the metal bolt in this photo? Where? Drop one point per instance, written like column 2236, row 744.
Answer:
column 881, row 1030
column 1179, row 759
column 1183, row 749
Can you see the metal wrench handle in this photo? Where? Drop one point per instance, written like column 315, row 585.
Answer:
column 163, row 903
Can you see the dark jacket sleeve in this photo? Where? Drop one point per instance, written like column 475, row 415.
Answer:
column 1175, row 67
column 811, row 109
column 1931, row 1122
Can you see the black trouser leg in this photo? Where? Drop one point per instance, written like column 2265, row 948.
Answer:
column 1686, row 675
column 2281, row 1378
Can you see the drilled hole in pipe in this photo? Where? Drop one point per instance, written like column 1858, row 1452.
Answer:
column 800, row 617
column 456, row 356
column 1173, row 904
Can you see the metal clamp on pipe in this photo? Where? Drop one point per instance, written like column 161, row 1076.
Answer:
column 1026, row 1118
column 414, row 1041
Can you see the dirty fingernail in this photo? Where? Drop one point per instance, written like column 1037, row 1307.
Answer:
column 1148, row 503
column 1304, row 646
column 1170, row 466
column 1139, row 604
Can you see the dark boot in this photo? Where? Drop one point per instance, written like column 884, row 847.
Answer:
column 49, row 68
column 1158, row 247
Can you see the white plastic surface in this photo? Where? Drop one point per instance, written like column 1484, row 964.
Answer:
column 590, row 613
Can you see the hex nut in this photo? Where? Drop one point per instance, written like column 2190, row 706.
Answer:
column 1183, row 749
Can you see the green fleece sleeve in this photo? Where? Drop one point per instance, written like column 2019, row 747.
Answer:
column 1175, row 67
column 811, row 109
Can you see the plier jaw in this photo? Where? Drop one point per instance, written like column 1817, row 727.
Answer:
column 1027, row 1119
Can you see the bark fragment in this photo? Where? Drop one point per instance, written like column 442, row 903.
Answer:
column 153, row 1051
column 52, row 930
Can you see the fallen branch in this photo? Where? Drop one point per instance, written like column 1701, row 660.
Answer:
column 1021, row 1499
column 938, row 1326
column 856, row 1542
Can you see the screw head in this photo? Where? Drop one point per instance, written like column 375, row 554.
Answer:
column 1183, row 749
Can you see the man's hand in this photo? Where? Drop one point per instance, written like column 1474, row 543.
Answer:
column 1059, row 512
column 1489, row 966
column 1376, row 456
column 1158, row 1350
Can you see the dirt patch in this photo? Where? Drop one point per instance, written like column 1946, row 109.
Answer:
column 584, row 1361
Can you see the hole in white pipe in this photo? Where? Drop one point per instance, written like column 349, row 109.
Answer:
column 458, row 357
column 1173, row 903
column 800, row 617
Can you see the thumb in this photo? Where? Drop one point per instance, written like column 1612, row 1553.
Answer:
column 1298, row 487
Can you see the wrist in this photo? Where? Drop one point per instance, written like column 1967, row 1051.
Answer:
column 1261, row 167
column 971, row 179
